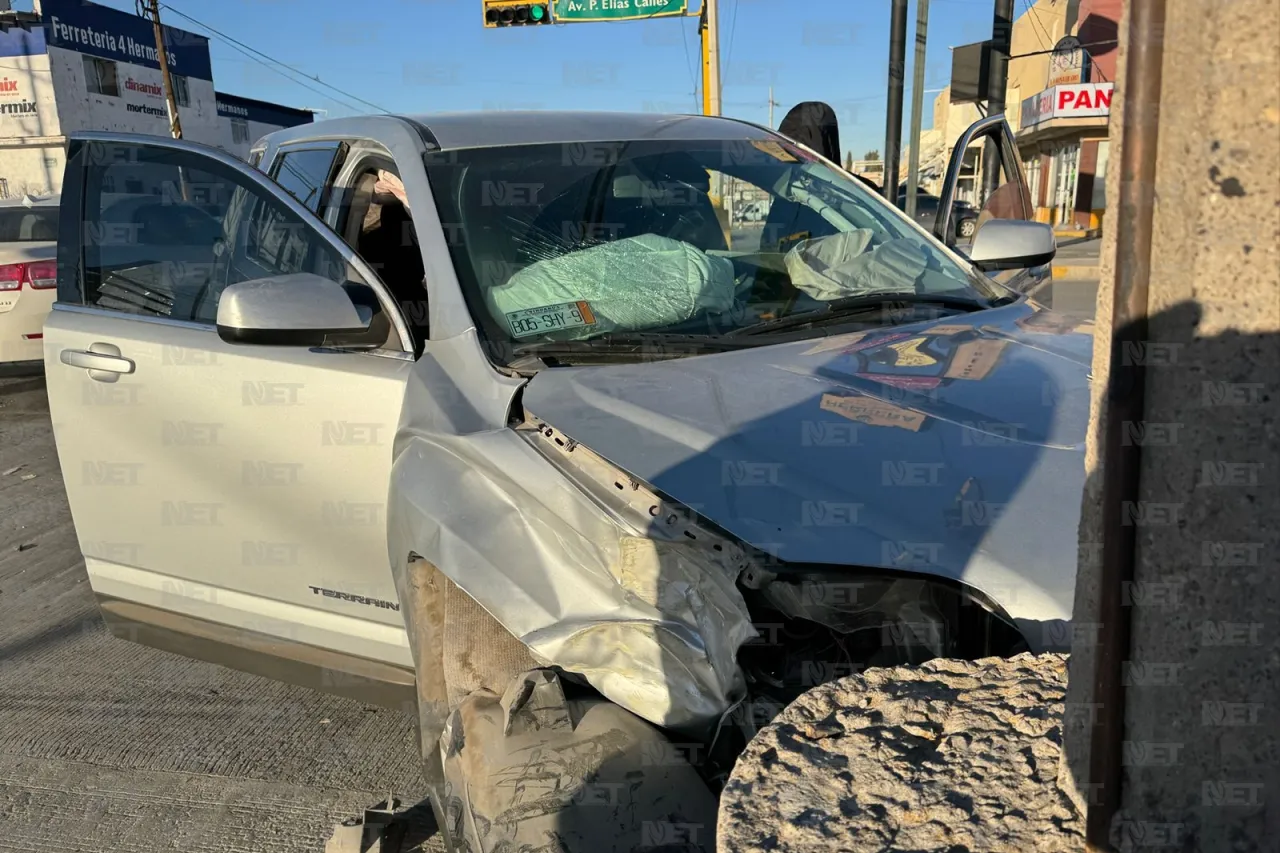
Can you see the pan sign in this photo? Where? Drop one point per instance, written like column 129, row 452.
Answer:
column 1068, row 64
column 1082, row 100
column 580, row 11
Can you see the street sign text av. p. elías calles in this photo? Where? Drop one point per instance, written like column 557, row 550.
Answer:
column 582, row 11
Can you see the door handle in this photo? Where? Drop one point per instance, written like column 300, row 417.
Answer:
column 103, row 361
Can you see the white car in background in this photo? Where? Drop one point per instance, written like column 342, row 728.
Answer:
column 28, row 275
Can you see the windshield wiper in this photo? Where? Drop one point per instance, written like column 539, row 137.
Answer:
column 853, row 306
column 648, row 344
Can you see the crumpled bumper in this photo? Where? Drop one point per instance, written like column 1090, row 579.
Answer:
column 648, row 612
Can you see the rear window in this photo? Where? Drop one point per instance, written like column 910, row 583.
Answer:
column 28, row 225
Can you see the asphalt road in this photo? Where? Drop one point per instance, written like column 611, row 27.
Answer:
column 1076, row 293
column 1075, row 296
column 109, row 746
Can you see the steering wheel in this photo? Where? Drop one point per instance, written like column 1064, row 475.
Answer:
column 695, row 227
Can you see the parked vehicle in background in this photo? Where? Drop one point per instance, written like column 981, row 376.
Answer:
column 966, row 219
column 752, row 212
column 28, row 274
column 965, row 214
column 539, row 466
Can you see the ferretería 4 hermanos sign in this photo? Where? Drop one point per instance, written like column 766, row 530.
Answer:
column 575, row 11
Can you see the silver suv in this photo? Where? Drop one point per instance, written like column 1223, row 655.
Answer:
column 495, row 419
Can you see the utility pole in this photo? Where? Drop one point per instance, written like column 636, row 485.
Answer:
column 917, row 105
column 772, row 104
column 152, row 8
column 893, row 122
column 709, row 28
column 1001, row 35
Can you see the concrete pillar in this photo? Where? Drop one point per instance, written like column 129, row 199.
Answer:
column 1202, row 698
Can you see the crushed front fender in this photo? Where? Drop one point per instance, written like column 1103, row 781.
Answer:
column 585, row 567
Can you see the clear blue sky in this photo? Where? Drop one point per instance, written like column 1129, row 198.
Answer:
column 430, row 55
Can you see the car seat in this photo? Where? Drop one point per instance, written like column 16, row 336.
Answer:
column 390, row 246
column 789, row 222
column 689, row 216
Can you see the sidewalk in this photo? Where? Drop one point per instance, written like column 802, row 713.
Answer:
column 1075, row 234
column 1077, row 257
column 1069, row 272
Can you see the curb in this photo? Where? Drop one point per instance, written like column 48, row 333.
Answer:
column 1066, row 238
column 1076, row 271
column 18, row 386
column 19, row 376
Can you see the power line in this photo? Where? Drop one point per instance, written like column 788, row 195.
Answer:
column 1087, row 45
column 1035, row 19
column 249, row 51
column 1036, row 23
column 319, row 92
column 245, row 47
column 693, row 75
column 728, row 57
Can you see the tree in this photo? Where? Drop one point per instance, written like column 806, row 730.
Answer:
column 871, row 155
column 848, row 161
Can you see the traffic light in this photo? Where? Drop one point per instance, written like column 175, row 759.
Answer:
column 513, row 13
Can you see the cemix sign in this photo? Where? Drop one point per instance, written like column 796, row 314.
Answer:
column 1080, row 100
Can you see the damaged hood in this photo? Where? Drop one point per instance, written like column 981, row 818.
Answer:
column 954, row 447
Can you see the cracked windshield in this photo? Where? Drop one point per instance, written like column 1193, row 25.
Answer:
column 639, row 240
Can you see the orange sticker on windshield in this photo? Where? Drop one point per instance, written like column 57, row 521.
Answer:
column 775, row 150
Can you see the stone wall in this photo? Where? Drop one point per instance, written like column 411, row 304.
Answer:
column 1201, row 758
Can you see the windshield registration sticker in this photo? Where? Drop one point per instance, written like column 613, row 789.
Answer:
column 775, row 150
column 550, row 318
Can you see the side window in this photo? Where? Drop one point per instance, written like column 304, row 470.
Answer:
column 272, row 239
column 100, row 76
column 305, row 173
column 376, row 221
column 990, row 182
column 185, row 227
column 181, row 92
column 255, row 157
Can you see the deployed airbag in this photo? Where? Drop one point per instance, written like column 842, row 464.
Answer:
column 833, row 267
column 637, row 283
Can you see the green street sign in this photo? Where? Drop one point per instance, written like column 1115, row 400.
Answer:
column 580, row 11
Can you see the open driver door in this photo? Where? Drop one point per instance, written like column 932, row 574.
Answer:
column 986, row 173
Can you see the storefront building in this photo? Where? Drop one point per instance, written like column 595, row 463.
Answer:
column 1063, row 139
column 31, row 142
column 1063, row 131
column 243, row 121
column 77, row 66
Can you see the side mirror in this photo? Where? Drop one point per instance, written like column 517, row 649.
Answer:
column 1010, row 244
column 300, row 310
